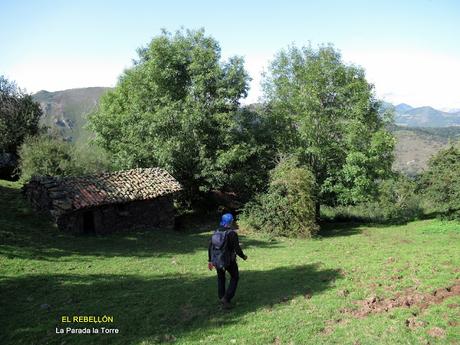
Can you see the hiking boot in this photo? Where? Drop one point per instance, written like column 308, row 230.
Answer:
column 225, row 304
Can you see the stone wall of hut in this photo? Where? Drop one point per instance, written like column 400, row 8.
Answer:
column 38, row 196
column 142, row 214
column 48, row 196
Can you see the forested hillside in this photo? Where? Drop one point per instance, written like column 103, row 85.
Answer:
column 426, row 116
column 65, row 111
column 415, row 146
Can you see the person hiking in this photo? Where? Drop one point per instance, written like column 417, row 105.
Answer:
column 223, row 248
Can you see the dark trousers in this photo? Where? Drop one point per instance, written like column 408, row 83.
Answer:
column 234, row 276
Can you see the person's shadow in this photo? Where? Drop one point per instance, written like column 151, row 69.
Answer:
column 148, row 309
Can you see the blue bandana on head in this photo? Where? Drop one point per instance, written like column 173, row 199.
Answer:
column 226, row 220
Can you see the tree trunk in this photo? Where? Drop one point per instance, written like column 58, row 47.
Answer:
column 317, row 211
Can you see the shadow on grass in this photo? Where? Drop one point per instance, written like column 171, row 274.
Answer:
column 334, row 229
column 144, row 308
column 28, row 235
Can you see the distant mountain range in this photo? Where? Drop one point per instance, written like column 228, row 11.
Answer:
column 65, row 112
column 415, row 146
column 406, row 115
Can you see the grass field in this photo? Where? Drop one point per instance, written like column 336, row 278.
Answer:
column 157, row 287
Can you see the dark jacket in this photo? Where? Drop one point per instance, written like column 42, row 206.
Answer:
column 233, row 245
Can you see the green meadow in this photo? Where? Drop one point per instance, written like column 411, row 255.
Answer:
column 156, row 285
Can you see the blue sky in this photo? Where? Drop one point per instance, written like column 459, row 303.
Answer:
column 410, row 49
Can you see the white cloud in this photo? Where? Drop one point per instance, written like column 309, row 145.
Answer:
column 63, row 73
column 255, row 64
column 415, row 77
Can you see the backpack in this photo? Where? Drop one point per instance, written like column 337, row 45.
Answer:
column 220, row 257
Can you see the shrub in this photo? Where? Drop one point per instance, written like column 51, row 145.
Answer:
column 440, row 184
column 287, row 208
column 90, row 159
column 19, row 116
column 45, row 155
column 368, row 212
column 396, row 202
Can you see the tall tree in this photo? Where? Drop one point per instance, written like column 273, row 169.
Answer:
column 331, row 122
column 441, row 182
column 19, row 116
column 177, row 108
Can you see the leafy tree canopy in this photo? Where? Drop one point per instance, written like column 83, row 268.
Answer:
column 331, row 122
column 19, row 116
column 287, row 208
column 46, row 155
column 441, row 182
column 177, row 108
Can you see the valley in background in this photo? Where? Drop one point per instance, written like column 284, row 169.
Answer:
column 420, row 132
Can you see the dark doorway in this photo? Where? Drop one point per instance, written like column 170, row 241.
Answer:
column 88, row 223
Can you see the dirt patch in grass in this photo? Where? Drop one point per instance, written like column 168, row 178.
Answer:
column 414, row 323
column 406, row 299
column 390, row 260
column 330, row 326
column 437, row 332
column 276, row 341
column 328, row 330
column 343, row 293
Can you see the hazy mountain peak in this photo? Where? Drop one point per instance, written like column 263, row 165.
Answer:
column 425, row 116
column 66, row 110
column 403, row 107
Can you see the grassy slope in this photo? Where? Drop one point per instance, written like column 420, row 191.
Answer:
column 413, row 151
column 71, row 105
column 415, row 146
column 157, row 287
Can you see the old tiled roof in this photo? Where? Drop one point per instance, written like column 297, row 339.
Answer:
column 73, row 193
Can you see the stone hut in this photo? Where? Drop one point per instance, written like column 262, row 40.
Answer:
column 108, row 202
